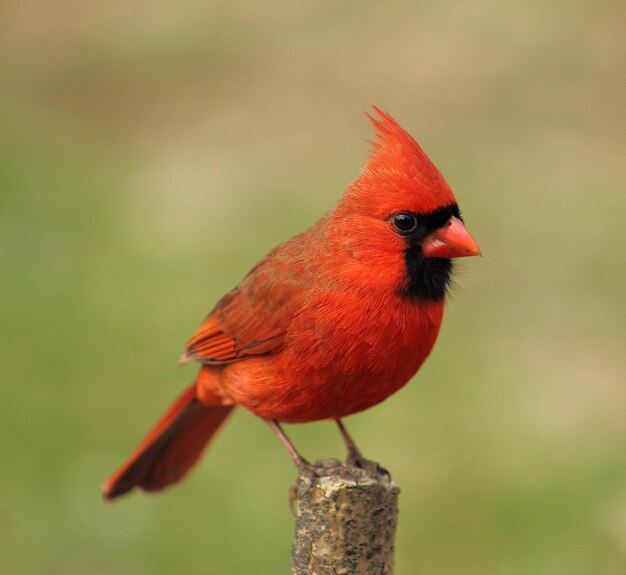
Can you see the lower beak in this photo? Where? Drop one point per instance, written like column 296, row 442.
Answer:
column 451, row 241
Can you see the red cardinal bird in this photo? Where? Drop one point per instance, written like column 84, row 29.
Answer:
column 329, row 323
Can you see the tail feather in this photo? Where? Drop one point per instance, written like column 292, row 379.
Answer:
column 172, row 447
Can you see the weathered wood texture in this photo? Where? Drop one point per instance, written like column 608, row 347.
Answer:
column 346, row 522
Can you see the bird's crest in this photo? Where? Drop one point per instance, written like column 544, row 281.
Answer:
column 398, row 175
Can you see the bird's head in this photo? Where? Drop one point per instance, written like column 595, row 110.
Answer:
column 400, row 206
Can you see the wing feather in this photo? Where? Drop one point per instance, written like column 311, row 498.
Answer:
column 252, row 319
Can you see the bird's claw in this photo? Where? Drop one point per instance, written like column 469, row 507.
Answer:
column 356, row 459
column 309, row 473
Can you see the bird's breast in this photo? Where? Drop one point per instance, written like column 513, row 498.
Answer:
column 342, row 354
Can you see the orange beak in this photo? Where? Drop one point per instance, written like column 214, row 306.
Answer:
column 451, row 241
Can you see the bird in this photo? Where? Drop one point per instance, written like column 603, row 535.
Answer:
column 329, row 323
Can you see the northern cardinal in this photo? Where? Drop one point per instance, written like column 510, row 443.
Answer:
column 329, row 323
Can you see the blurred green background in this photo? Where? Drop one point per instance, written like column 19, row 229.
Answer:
column 152, row 152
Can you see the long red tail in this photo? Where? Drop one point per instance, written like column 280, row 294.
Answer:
column 172, row 447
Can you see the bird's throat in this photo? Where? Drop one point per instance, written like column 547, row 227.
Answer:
column 426, row 278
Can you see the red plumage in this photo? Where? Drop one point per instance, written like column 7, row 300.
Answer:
column 329, row 323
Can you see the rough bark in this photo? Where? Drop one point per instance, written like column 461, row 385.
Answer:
column 346, row 522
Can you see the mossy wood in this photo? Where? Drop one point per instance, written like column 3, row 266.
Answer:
column 346, row 522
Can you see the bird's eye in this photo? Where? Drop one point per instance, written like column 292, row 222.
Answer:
column 404, row 222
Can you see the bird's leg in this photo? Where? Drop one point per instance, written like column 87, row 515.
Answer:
column 355, row 457
column 307, row 473
column 300, row 462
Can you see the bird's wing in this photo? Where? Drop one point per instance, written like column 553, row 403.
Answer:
column 249, row 321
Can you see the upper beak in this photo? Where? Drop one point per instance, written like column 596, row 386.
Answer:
column 451, row 241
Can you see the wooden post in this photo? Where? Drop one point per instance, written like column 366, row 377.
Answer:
column 346, row 522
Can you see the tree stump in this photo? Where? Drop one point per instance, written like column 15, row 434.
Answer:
column 346, row 521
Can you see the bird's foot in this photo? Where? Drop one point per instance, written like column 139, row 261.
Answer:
column 309, row 473
column 356, row 459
